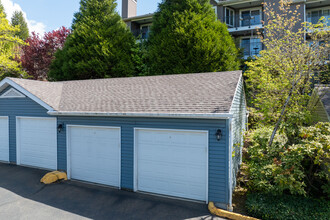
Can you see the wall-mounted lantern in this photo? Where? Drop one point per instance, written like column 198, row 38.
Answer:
column 60, row 127
column 218, row 134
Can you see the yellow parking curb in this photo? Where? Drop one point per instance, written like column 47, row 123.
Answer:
column 226, row 214
column 54, row 176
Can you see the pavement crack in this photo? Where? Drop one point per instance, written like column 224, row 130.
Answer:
column 39, row 190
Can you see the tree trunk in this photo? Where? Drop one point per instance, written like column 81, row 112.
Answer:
column 281, row 116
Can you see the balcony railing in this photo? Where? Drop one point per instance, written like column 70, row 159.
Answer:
column 141, row 34
column 243, row 21
column 314, row 19
column 251, row 49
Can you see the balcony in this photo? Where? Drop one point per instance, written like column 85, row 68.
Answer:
column 315, row 16
column 142, row 34
column 251, row 47
column 245, row 21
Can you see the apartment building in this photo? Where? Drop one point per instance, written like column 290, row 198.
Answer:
column 244, row 19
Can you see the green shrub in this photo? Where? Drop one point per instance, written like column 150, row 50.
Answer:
column 301, row 169
column 315, row 147
column 267, row 206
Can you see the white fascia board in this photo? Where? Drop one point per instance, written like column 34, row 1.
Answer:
column 143, row 115
column 236, row 90
column 7, row 82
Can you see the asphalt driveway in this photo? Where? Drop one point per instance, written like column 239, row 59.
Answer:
column 22, row 196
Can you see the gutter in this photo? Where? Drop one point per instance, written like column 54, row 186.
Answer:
column 235, row 2
column 139, row 17
column 143, row 115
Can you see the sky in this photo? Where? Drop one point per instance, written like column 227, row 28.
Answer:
column 47, row 15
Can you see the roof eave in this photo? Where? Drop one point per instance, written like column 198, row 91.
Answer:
column 8, row 82
column 139, row 17
column 144, row 115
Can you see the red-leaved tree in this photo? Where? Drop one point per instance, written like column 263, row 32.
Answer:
column 39, row 53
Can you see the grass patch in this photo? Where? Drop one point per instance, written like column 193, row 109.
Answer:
column 265, row 206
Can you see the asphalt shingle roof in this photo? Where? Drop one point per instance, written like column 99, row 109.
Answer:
column 184, row 93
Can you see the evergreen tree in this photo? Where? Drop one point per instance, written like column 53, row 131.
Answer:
column 100, row 45
column 18, row 20
column 186, row 37
column 2, row 9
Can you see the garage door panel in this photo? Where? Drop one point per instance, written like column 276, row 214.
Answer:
column 172, row 162
column 95, row 154
column 150, row 152
column 4, row 139
column 37, row 142
column 176, row 188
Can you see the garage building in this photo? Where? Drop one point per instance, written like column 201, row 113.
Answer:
column 173, row 135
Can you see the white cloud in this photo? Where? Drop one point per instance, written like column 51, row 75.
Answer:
column 34, row 26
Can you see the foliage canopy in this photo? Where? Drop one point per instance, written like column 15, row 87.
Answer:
column 186, row 37
column 100, row 45
column 38, row 55
column 19, row 21
column 301, row 168
column 279, row 80
column 9, row 49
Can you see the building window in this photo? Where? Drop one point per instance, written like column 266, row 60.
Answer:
column 215, row 11
column 145, row 31
column 251, row 46
column 230, row 17
column 315, row 15
column 250, row 17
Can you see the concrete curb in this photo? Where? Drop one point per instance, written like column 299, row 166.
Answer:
column 226, row 214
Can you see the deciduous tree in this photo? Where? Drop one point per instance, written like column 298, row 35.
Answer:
column 38, row 55
column 186, row 37
column 9, row 49
column 100, row 45
column 280, row 79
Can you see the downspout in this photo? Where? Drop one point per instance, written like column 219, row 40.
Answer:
column 230, row 166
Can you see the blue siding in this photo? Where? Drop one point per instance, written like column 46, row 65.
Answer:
column 218, row 150
column 13, row 107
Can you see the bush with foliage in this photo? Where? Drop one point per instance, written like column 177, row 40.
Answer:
column 301, row 168
column 269, row 207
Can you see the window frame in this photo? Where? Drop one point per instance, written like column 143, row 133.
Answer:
column 230, row 10
column 250, row 44
column 250, row 9
column 145, row 25
column 309, row 13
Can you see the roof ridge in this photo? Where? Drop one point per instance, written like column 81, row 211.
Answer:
column 152, row 76
column 128, row 77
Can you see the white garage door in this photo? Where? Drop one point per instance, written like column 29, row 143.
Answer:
column 172, row 162
column 94, row 154
column 37, row 142
column 4, row 139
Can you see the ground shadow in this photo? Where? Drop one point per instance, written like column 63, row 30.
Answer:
column 95, row 202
